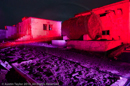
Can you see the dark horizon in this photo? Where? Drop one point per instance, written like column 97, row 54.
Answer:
column 12, row 11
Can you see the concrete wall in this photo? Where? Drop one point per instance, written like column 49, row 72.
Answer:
column 24, row 27
column 2, row 34
column 86, row 37
column 116, row 20
column 32, row 28
column 98, row 46
column 38, row 31
column 11, row 32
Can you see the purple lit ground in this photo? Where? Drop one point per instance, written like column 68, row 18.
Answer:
column 66, row 72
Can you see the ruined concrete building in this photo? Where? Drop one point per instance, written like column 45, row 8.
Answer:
column 109, row 22
column 89, row 30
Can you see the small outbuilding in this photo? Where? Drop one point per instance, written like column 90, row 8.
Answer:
column 37, row 28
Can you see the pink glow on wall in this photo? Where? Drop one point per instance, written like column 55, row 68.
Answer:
column 113, row 22
column 24, row 27
column 116, row 20
column 35, row 28
column 42, row 28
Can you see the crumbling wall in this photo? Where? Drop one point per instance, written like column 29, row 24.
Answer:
column 115, row 18
column 25, row 27
column 98, row 46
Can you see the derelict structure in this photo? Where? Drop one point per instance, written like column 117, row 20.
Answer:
column 99, row 29
column 109, row 22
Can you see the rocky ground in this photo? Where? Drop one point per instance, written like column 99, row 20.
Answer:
column 45, row 67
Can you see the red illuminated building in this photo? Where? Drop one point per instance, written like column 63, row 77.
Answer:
column 99, row 29
column 109, row 22
column 105, row 27
column 35, row 28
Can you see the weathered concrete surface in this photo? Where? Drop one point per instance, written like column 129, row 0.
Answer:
column 100, row 46
column 86, row 37
column 24, row 38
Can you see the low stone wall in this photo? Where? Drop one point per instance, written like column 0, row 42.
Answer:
column 100, row 46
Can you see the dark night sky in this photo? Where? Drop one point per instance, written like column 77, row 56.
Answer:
column 11, row 11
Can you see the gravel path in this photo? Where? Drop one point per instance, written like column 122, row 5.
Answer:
column 51, row 68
